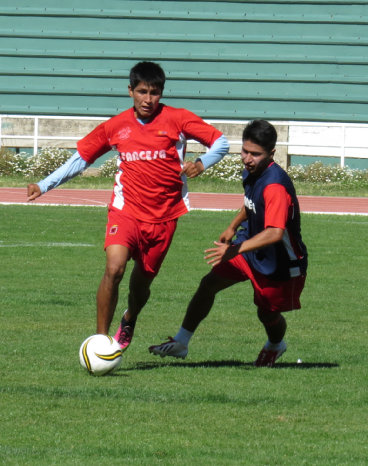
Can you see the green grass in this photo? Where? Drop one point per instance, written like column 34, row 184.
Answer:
column 213, row 408
column 351, row 189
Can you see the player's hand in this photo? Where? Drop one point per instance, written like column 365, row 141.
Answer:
column 192, row 169
column 33, row 191
column 227, row 235
column 221, row 253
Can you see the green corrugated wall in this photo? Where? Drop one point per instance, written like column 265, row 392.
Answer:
column 282, row 60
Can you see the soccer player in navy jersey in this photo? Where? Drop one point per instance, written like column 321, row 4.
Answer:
column 262, row 244
column 150, row 192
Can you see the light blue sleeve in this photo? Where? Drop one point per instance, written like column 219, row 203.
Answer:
column 71, row 168
column 217, row 151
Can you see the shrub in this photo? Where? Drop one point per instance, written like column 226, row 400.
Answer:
column 12, row 163
column 319, row 173
column 109, row 168
column 231, row 167
column 46, row 161
column 228, row 169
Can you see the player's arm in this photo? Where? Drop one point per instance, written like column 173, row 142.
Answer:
column 224, row 252
column 71, row 168
column 228, row 234
column 277, row 204
column 268, row 236
column 216, row 152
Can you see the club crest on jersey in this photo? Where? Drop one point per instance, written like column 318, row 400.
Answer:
column 113, row 230
column 162, row 133
column 124, row 133
column 249, row 204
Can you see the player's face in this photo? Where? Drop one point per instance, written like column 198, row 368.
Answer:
column 146, row 99
column 255, row 158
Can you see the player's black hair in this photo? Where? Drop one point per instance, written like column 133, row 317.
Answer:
column 261, row 132
column 147, row 72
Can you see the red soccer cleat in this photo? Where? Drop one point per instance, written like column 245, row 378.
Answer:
column 268, row 357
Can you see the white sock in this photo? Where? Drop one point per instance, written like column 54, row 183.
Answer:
column 183, row 336
column 274, row 346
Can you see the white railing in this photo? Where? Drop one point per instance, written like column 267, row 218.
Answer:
column 323, row 139
column 340, row 140
column 14, row 139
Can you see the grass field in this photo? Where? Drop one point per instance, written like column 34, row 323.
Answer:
column 214, row 408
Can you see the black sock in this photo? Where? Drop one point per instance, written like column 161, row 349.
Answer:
column 125, row 322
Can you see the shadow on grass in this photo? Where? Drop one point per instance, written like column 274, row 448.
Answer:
column 144, row 366
column 306, row 365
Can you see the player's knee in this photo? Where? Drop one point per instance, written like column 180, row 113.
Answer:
column 269, row 318
column 115, row 270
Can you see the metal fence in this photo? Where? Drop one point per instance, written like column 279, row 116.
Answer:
column 339, row 140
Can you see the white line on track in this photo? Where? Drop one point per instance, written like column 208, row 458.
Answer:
column 333, row 213
column 303, row 212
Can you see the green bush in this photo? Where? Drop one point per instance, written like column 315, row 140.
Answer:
column 319, row 173
column 47, row 161
column 109, row 168
column 229, row 169
column 12, row 163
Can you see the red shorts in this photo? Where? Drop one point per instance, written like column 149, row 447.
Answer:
column 269, row 295
column 147, row 242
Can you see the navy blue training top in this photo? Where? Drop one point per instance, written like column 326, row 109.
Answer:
column 288, row 257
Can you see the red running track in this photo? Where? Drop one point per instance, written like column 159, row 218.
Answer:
column 207, row 201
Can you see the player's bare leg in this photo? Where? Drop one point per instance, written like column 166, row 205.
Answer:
column 203, row 299
column 117, row 257
column 198, row 309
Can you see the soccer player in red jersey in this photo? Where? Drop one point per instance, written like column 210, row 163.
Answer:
column 262, row 244
column 150, row 192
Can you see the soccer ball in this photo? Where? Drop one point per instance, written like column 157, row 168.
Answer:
column 100, row 354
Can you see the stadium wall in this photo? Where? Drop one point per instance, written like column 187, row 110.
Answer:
column 280, row 60
column 232, row 61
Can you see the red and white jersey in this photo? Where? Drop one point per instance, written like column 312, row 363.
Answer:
column 148, row 185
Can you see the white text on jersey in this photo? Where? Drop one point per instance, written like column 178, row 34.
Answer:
column 142, row 155
column 249, row 204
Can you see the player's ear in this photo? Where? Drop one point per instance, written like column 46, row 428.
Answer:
column 130, row 90
column 272, row 153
